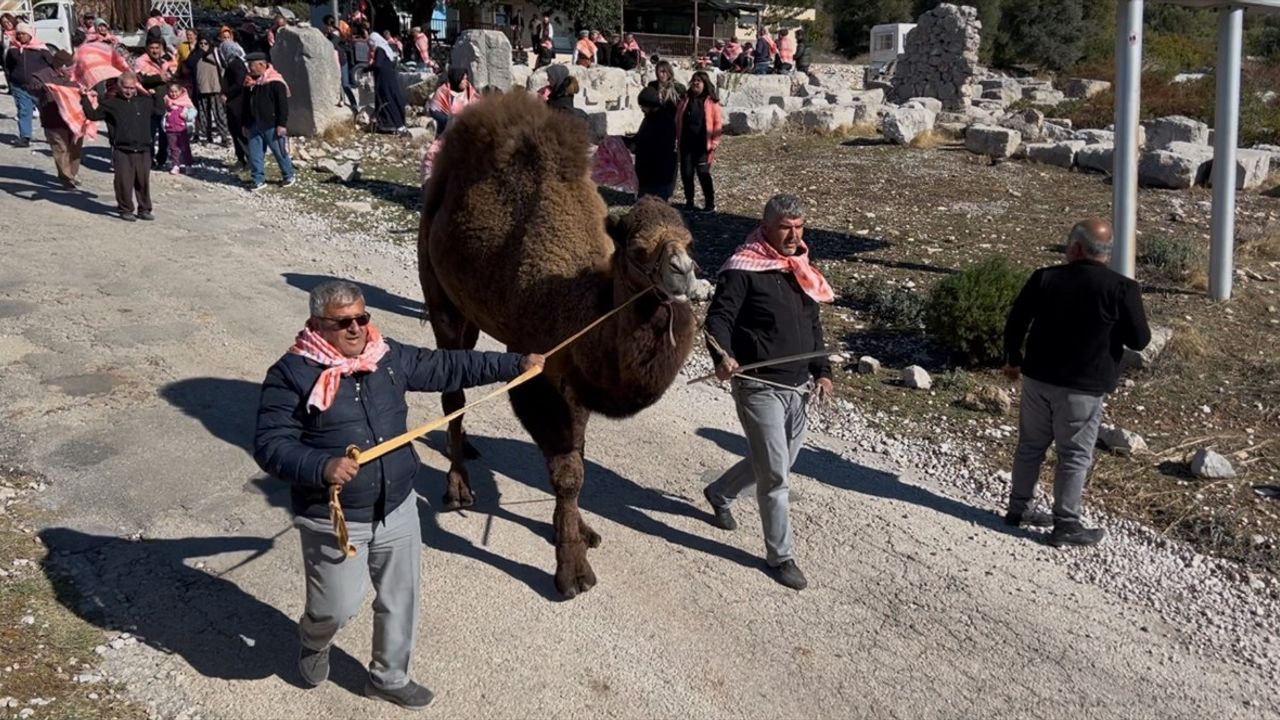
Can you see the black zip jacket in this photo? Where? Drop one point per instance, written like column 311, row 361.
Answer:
column 293, row 442
column 655, row 149
column 21, row 66
column 760, row 316
column 233, row 87
column 1081, row 317
column 268, row 105
column 129, row 119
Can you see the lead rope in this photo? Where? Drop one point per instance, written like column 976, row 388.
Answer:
column 336, row 516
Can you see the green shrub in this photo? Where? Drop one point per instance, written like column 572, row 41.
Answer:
column 967, row 311
column 1172, row 257
column 895, row 308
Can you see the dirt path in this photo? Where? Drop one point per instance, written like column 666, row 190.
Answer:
column 131, row 355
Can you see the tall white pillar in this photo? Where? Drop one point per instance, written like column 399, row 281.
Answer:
column 1124, row 176
column 1225, row 138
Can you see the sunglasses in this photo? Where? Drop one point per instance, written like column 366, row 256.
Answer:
column 346, row 322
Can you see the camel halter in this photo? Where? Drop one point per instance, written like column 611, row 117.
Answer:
column 362, row 457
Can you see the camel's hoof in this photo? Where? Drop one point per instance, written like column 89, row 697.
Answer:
column 451, row 504
column 469, row 451
column 575, row 577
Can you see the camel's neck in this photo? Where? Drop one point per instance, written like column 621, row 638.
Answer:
column 634, row 357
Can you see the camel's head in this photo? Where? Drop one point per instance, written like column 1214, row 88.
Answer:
column 653, row 250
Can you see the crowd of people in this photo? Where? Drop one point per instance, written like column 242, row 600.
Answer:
column 218, row 88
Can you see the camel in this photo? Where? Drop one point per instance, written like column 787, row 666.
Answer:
column 515, row 241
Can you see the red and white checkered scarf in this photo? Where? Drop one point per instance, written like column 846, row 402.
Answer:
column 756, row 255
column 311, row 346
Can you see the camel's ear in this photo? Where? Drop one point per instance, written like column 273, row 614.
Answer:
column 615, row 225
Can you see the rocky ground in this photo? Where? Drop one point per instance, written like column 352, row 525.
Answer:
column 132, row 354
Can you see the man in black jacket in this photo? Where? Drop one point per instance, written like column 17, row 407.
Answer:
column 129, row 114
column 267, row 120
column 1081, row 317
column 766, row 309
column 343, row 384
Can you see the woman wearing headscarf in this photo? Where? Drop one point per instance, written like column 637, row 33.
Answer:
column 699, row 124
column 386, row 84
column 451, row 97
column 233, row 75
column 584, row 53
column 206, row 73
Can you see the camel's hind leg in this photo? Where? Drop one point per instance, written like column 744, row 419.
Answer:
column 558, row 426
column 453, row 332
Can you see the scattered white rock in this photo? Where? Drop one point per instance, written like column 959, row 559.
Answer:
column 1160, row 335
column 1120, row 441
column 1175, row 128
column 994, row 142
column 915, row 377
column 868, row 365
column 1211, row 466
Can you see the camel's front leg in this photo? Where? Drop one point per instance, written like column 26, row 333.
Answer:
column 573, row 572
column 457, row 494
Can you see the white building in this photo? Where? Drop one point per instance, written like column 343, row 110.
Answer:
column 889, row 41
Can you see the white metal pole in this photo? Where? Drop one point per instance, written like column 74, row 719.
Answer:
column 1225, row 136
column 695, row 31
column 1124, row 176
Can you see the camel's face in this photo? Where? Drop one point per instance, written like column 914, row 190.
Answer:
column 654, row 243
column 662, row 260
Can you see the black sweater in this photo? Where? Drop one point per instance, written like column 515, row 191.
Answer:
column 268, row 106
column 761, row 316
column 129, row 119
column 1081, row 318
column 655, row 149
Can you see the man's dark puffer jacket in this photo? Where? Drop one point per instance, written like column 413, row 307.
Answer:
column 293, row 442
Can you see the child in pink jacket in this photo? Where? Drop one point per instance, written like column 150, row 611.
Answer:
column 179, row 114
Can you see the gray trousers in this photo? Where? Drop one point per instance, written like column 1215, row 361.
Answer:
column 773, row 420
column 387, row 553
column 1068, row 419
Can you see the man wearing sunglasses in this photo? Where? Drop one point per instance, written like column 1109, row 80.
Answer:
column 343, row 384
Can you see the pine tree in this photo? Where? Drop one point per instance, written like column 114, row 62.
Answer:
column 1046, row 34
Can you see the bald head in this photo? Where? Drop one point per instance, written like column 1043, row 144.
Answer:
column 1090, row 240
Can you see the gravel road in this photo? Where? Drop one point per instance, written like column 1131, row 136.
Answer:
column 131, row 355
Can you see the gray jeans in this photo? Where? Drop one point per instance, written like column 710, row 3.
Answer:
column 773, row 420
column 389, row 554
column 1068, row 419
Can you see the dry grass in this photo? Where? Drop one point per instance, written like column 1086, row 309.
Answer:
column 339, row 133
column 1188, row 343
column 928, row 140
column 1261, row 244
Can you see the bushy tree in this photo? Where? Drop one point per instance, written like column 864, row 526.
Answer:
column 967, row 311
column 1046, row 34
column 852, row 20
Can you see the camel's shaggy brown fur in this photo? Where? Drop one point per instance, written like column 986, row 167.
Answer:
column 515, row 241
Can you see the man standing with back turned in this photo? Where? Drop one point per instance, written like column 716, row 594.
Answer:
column 1081, row 317
column 766, row 308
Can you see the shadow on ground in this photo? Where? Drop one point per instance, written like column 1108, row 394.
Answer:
column 605, row 493
column 834, row 470
column 227, row 408
column 34, row 184
column 149, row 589
column 374, row 297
